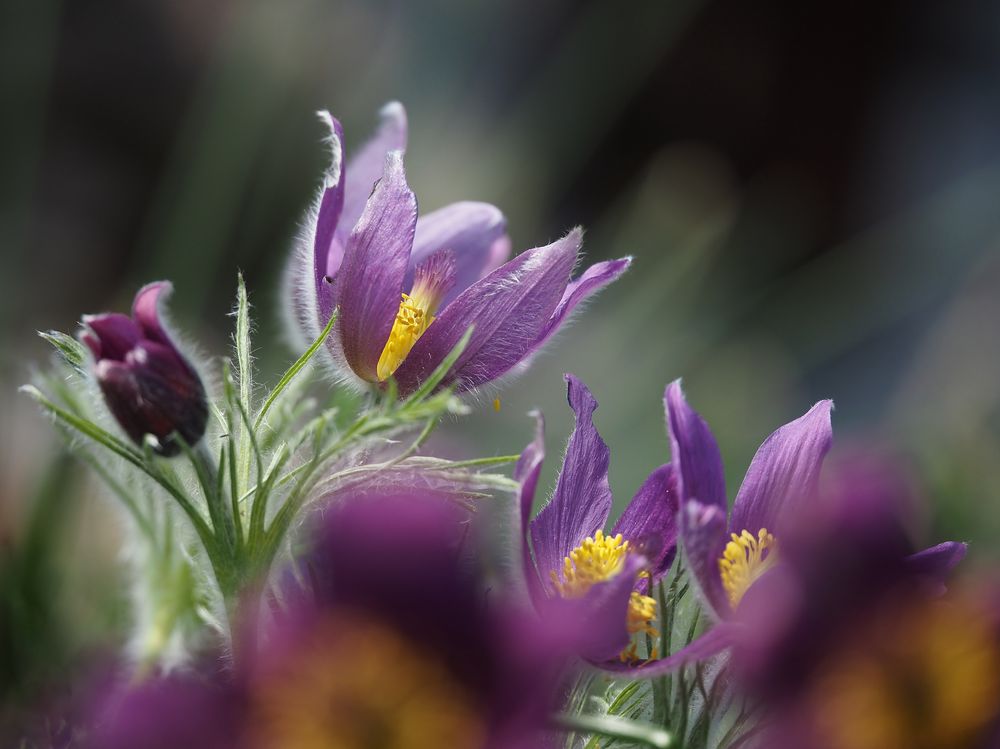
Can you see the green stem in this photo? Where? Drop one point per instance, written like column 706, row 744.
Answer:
column 218, row 510
column 615, row 727
column 246, row 377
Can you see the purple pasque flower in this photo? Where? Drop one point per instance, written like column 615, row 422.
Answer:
column 572, row 565
column 726, row 558
column 849, row 642
column 148, row 385
column 390, row 640
column 408, row 288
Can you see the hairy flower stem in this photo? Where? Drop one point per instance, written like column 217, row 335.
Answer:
column 218, row 509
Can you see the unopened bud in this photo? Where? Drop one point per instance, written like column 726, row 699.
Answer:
column 149, row 386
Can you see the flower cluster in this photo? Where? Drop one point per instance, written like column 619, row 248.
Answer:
column 314, row 578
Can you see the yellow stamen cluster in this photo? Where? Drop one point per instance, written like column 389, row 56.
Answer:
column 744, row 560
column 641, row 613
column 598, row 559
column 595, row 560
column 416, row 313
column 357, row 684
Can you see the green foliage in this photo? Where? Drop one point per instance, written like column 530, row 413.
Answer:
column 241, row 490
column 693, row 708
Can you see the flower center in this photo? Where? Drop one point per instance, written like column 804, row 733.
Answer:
column 744, row 560
column 353, row 684
column 431, row 281
column 414, row 316
column 598, row 559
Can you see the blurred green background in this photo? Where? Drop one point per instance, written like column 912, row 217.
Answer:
column 811, row 192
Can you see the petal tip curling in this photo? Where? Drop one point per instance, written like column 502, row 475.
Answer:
column 393, row 116
column 335, row 142
column 147, row 305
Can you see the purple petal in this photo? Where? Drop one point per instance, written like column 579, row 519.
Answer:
column 528, row 467
column 328, row 250
column 111, row 335
column 364, row 168
column 937, row 562
column 696, row 455
column 499, row 254
column 650, row 520
column 472, row 231
column 582, row 499
column 371, row 279
column 703, row 531
column 508, row 309
column 784, row 470
column 712, row 642
column 146, row 310
column 156, row 392
column 526, row 473
column 147, row 715
column 604, row 608
column 595, row 278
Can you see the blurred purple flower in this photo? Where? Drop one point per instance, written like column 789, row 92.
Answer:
column 409, row 288
column 847, row 643
column 391, row 642
column 604, row 580
column 148, row 385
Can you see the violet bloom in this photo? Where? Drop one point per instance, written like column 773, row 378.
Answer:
column 148, row 385
column 392, row 642
column 409, row 288
column 604, row 579
column 848, row 644
column 726, row 558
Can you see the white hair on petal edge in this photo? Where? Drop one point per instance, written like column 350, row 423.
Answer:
column 300, row 311
column 298, row 291
column 334, row 172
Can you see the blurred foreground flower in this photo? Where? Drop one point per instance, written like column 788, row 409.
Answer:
column 848, row 644
column 391, row 643
column 409, row 289
column 149, row 386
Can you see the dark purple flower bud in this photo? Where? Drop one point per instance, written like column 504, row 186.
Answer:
column 148, row 385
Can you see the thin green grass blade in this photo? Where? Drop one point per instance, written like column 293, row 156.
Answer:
column 245, row 372
column 86, row 427
column 293, row 370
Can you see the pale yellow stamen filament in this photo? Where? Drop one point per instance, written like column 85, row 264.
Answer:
column 416, row 313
